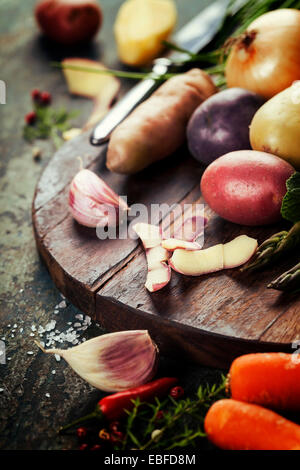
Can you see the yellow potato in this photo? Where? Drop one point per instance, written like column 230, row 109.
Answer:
column 275, row 128
column 140, row 28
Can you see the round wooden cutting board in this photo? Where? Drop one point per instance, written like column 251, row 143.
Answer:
column 211, row 318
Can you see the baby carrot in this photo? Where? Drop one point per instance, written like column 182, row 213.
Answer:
column 235, row 425
column 267, row 379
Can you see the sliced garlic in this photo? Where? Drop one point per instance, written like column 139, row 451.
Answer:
column 114, row 361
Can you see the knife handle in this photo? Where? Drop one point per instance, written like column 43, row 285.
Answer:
column 133, row 98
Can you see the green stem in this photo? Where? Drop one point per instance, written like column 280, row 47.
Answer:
column 115, row 73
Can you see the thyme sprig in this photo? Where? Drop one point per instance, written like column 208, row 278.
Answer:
column 181, row 424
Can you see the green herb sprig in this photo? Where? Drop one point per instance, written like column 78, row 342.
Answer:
column 48, row 123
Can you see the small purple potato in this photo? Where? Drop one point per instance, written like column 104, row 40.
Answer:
column 221, row 124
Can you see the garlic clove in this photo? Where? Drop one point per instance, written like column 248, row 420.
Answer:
column 92, row 202
column 115, row 361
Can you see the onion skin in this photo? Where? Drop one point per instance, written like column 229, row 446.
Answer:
column 266, row 59
column 69, row 22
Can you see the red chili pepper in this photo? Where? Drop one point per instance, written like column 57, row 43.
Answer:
column 112, row 407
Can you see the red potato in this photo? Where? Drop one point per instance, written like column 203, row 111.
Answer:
column 246, row 187
column 157, row 127
column 69, row 22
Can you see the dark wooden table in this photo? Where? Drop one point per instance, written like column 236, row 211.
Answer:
column 35, row 401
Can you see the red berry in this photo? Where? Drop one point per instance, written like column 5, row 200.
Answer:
column 177, row 392
column 114, row 426
column 81, row 432
column 117, row 436
column 36, row 95
column 159, row 415
column 83, row 447
column 45, row 98
column 30, row 118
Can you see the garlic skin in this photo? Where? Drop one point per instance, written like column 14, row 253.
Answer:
column 115, row 361
column 92, row 202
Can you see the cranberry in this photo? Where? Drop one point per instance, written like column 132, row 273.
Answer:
column 30, row 118
column 81, row 432
column 45, row 98
column 36, row 95
column 83, row 447
column 177, row 392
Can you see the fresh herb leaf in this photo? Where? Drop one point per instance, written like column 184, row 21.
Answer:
column 180, row 424
column 290, row 208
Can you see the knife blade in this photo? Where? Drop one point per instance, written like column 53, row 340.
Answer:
column 195, row 35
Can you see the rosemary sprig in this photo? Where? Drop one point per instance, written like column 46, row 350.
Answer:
column 181, row 424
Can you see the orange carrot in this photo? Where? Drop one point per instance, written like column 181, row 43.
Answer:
column 235, row 425
column 267, row 379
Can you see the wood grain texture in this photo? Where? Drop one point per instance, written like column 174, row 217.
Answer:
column 211, row 319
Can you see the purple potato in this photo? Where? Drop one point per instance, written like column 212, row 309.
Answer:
column 221, row 124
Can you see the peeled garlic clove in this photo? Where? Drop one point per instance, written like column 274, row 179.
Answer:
column 92, row 202
column 115, row 361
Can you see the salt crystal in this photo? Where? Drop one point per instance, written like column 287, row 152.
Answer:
column 21, row 330
column 31, row 334
column 41, row 330
column 53, row 372
column 29, row 353
column 12, row 336
column 8, row 326
column 33, row 328
column 15, row 325
column 50, row 326
column 57, row 357
column 56, row 311
column 62, row 304
column 79, row 316
column 1, row 390
column 77, row 325
column 47, row 395
column 21, row 290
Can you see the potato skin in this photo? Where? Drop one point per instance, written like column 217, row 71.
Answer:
column 67, row 22
column 221, row 124
column 246, row 187
column 157, row 127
